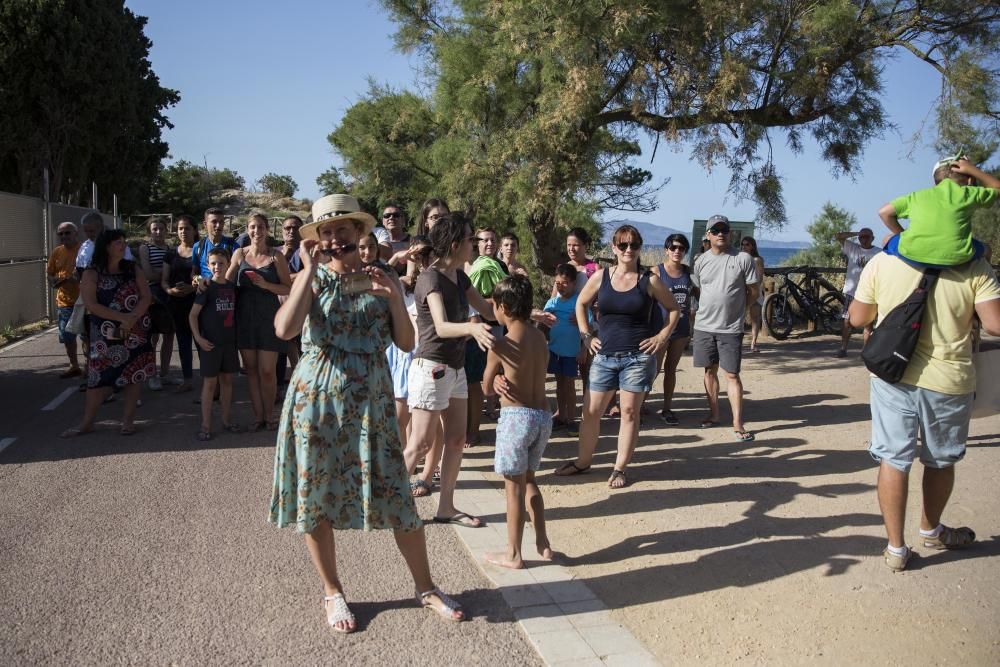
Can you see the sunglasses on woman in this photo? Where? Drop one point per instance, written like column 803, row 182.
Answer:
column 677, row 248
column 625, row 245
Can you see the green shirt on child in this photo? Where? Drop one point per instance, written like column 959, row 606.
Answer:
column 940, row 230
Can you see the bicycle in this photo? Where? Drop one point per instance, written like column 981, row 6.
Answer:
column 780, row 314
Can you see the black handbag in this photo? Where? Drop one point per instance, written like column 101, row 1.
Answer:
column 888, row 350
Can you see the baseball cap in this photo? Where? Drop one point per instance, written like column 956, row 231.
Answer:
column 717, row 221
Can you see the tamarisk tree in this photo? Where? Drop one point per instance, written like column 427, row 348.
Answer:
column 536, row 107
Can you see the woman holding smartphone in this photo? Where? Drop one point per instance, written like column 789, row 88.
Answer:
column 339, row 462
column 261, row 276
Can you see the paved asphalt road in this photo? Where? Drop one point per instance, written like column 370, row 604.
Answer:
column 155, row 549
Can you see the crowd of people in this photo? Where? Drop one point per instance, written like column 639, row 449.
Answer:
column 400, row 343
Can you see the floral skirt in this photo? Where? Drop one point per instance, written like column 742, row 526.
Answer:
column 338, row 456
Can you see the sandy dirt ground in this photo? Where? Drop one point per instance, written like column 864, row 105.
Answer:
column 769, row 552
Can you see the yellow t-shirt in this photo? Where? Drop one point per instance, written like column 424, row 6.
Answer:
column 62, row 264
column 942, row 361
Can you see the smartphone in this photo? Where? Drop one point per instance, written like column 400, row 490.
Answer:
column 117, row 333
column 250, row 274
column 437, row 372
column 355, row 283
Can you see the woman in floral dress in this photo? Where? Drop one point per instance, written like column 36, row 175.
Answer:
column 120, row 352
column 339, row 461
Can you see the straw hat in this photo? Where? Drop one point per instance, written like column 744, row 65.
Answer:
column 333, row 208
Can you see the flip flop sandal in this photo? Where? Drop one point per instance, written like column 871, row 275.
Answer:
column 420, row 489
column 204, row 436
column 337, row 611
column 569, row 469
column 616, row 475
column 447, row 608
column 460, row 519
column 743, row 436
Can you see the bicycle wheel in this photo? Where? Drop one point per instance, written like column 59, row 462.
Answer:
column 778, row 315
column 832, row 312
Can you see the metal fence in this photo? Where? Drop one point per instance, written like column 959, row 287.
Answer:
column 27, row 236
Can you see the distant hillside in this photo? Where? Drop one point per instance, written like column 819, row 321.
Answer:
column 656, row 235
column 651, row 234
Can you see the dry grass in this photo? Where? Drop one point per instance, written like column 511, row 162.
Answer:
column 14, row 332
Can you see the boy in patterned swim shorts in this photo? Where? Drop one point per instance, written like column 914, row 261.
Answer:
column 525, row 421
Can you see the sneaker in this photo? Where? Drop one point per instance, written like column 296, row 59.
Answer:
column 897, row 563
column 950, row 538
column 154, row 384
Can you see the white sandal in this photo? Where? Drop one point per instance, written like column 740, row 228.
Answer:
column 446, row 609
column 338, row 612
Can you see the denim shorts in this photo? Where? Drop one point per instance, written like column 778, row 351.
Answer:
column 65, row 312
column 902, row 412
column 429, row 393
column 628, row 371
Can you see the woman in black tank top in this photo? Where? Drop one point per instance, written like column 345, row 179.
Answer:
column 625, row 352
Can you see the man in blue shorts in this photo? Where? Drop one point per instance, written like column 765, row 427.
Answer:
column 932, row 403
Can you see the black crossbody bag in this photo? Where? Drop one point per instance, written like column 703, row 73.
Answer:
column 888, row 350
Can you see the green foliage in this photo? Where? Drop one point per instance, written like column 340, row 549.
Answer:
column 79, row 97
column 538, row 105
column 825, row 250
column 331, row 182
column 184, row 187
column 278, row 184
column 986, row 223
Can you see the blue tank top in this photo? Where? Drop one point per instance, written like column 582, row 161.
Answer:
column 681, row 289
column 624, row 316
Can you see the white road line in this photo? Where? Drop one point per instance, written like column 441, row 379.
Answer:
column 6, row 442
column 57, row 401
column 26, row 340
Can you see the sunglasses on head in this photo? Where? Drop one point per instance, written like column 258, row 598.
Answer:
column 625, row 245
column 677, row 248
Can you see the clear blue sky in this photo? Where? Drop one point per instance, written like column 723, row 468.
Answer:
column 263, row 83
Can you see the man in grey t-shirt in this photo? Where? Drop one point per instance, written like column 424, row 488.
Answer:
column 857, row 255
column 727, row 280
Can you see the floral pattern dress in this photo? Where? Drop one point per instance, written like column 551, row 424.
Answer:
column 114, row 362
column 339, row 456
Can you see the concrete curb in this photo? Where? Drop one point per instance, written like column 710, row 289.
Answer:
column 563, row 619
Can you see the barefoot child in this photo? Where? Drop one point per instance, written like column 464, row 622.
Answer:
column 566, row 353
column 525, row 422
column 213, row 326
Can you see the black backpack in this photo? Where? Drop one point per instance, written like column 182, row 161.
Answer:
column 888, row 350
